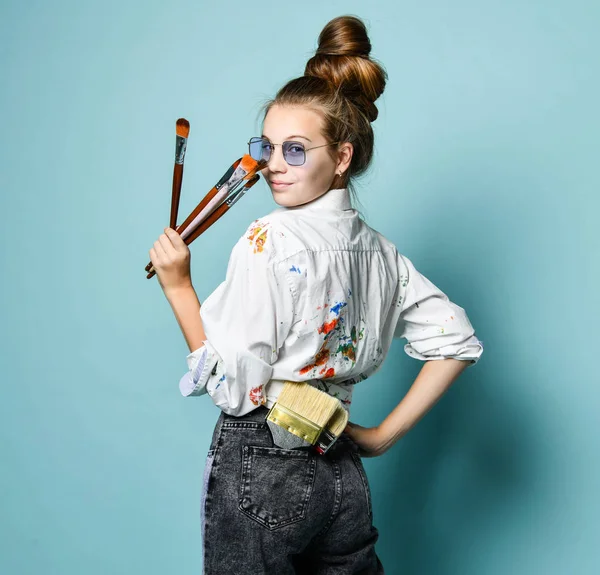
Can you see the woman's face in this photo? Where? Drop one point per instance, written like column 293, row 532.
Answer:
column 315, row 177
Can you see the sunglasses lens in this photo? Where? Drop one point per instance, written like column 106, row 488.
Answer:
column 294, row 154
column 259, row 149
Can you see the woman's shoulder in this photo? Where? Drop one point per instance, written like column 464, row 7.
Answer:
column 379, row 239
column 269, row 236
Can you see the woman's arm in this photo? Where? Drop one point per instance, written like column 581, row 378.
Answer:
column 171, row 259
column 433, row 381
column 186, row 307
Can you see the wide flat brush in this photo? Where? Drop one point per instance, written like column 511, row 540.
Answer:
column 304, row 415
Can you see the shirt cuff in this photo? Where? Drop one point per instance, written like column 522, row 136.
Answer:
column 199, row 363
column 469, row 350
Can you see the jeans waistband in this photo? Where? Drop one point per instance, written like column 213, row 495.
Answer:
column 258, row 416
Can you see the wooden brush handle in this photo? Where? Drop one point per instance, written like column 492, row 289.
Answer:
column 209, row 196
column 210, row 220
column 175, row 194
column 214, row 216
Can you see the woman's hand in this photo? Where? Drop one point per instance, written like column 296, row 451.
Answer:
column 370, row 440
column 171, row 258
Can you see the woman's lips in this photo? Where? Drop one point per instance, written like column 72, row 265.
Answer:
column 280, row 186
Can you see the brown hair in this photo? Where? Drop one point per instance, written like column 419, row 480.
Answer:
column 341, row 84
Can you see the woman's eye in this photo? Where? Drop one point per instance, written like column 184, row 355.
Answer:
column 296, row 149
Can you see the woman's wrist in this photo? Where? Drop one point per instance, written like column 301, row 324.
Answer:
column 388, row 435
column 176, row 291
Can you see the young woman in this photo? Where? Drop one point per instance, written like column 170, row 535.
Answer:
column 312, row 293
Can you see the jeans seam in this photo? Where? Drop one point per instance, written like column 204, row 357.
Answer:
column 364, row 481
column 216, row 451
column 337, row 501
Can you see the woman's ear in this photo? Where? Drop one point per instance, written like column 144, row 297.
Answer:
column 345, row 151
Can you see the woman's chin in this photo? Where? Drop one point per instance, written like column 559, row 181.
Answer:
column 282, row 198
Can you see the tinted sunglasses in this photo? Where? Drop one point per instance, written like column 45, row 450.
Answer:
column 294, row 153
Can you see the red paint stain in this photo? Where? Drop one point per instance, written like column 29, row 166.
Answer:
column 320, row 359
column 256, row 395
column 328, row 326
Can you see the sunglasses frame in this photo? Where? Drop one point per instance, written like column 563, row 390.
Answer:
column 258, row 138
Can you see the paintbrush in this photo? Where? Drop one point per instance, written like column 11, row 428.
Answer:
column 304, row 415
column 240, row 170
column 213, row 217
column 243, row 171
column 216, row 214
column 182, row 130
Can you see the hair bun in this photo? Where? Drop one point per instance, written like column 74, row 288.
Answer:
column 342, row 58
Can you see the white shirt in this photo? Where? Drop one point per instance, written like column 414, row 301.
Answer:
column 312, row 293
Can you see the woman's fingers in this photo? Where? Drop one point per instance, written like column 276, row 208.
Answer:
column 165, row 243
column 159, row 248
column 169, row 245
column 153, row 257
column 176, row 239
column 168, row 248
column 177, row 243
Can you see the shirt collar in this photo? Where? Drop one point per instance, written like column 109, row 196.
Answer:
column 337, row 199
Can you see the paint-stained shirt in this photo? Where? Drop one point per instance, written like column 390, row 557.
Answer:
column 312, row 293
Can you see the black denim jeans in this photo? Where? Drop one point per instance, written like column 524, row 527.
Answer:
column 267, row 510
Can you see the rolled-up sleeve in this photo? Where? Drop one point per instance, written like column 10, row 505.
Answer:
column 246, row 320
column 194, row 381
column 434, row 327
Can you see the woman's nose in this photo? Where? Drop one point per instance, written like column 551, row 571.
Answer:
column 277, row 162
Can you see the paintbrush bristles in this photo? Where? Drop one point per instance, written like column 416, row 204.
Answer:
column 309, row 402
column 338, row 422
column 248, row 163
column 182, row 128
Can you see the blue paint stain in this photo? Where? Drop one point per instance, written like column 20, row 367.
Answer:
column 222, row 378
column 295, row 269
column 338, row 306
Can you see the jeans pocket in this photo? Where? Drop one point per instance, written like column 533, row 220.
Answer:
column 363, row 475
column 276, row 484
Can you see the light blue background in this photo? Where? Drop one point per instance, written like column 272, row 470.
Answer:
column 485, row 174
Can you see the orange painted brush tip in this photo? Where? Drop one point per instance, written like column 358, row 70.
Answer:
column 183, row 128
column 248, row 163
